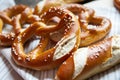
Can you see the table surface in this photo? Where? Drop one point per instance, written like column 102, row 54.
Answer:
column 12, row 75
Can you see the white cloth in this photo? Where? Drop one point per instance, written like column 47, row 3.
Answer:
column 26, row 74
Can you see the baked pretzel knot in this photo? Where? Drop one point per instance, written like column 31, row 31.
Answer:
column 6, row 18
column 39, row 58
column 93, row 28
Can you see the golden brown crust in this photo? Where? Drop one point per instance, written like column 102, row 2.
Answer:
column 96, row 55
column 16, row 16
column 93, row 28
column 117, row 4
column 76, row 9
column 101, row 25
column 24, row 17
column 6, row 16
column 66, row 69
column 39, row 59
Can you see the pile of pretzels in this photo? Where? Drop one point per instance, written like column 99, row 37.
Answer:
column 71, row 27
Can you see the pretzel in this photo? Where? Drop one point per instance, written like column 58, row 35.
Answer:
column 117, row 4
column 39, row 58
column 93, row 28
column 6, row 16
column 88, row 61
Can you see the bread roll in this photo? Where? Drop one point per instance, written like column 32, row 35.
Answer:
column 87, row 61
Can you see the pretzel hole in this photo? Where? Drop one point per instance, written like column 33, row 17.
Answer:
column 57, row 35
column 7, row 28
column 94, row 24
column 31, row 44
column 50, row 45
column 53, row 21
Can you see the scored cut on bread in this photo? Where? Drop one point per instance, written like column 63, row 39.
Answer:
column 88, row 61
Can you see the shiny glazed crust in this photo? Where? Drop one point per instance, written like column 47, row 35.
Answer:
column 98, row 57
column 6, row 17
column 39, row 59
column 93, row 28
